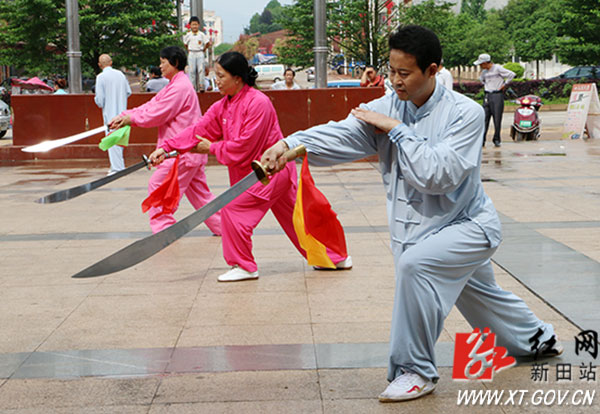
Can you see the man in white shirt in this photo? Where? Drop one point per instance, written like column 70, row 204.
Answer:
column 112, row 91
column 444, row 76
column 196, row 43
column 494, row 78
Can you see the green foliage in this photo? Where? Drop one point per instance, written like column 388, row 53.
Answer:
column 579, row 42
column 474, row 9
column 222, row 48
column 266, row 22
column 434, row 16
column 34, row 33
column 531, row 25
column 359, row 27
column 515, row 67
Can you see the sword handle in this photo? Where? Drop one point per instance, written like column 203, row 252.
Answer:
column 171, row 154
column 292, row 154
column 167, row 155
column 289, row 155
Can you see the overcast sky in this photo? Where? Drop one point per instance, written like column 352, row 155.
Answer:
column 236, row 14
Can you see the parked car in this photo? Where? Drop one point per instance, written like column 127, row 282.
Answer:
column 4, row 118
column 310, row 74
column 270, row 72
column 355, row 68
column 580, row 72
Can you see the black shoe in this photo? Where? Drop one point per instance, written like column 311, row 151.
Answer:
column 496, row 144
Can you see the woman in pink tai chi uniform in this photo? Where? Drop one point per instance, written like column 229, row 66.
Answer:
column 173, row 109
column 237, row 129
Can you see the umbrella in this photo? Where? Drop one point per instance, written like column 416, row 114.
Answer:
column 32, row 83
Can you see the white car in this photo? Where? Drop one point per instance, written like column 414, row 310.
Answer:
column 4, row 118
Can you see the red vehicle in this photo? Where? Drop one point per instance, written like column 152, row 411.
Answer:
column 526, row 121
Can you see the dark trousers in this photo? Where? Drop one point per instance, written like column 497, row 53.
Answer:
column 493, row 105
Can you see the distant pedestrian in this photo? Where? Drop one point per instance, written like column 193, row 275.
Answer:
column 60, row 87
column 196, row 43
column 494, row 78
column 370, row 78
column 288, row 82
column 112, row 91
column 156, row 82
column 444, row 76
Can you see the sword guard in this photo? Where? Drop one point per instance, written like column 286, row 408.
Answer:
column 260, row 172
column 147, row 162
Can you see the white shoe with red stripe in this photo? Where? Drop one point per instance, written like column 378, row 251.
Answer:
column 407, row 386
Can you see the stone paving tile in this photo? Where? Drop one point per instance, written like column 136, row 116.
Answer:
column 247, row 407
column 239, row 386
column 77, row 394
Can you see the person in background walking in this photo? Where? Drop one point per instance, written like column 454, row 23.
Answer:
column 196, row 43
column 156, row 82
column 112, row 91
column 494, row 78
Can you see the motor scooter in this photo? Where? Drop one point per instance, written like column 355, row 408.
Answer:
column 526, row 121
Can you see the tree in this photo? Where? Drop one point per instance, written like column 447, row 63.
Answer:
column 579, row 43
column 358, row 27
column 222, row 48
column 131, row 31
column 246, row 45
column 474, row 8
column 266, row 22
column 532, row 27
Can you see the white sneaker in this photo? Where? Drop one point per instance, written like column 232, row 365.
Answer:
column 407, row 386
column 343, row 265
column 236, row 274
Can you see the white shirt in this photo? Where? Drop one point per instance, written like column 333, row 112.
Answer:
column 495, row 78
column 445, row 78
column 282, row 85
column 156, row 84
column 195, row 41
column 112, row 91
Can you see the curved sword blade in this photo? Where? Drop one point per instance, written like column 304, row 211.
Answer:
column 149, row 246
column 73, row 192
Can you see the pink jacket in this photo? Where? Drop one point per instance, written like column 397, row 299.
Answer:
column 241, row 129
column 173, row 109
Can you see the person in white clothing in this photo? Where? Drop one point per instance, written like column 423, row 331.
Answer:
column 196, row 43
column 112, row 91
column 444, row 76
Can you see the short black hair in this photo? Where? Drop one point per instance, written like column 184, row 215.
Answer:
column 194, row 19
column 237, row 65
column 156, row 71
column 420, row 42
column 290, row 70
column 175, row 55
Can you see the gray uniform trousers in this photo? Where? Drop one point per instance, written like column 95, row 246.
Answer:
column 493, row 106
column 448, row 267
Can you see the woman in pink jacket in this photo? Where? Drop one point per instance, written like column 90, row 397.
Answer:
column 173, row 109
column 237, row 130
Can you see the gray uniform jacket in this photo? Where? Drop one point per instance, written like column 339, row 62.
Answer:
column 430, row 164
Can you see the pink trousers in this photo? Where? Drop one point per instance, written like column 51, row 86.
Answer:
column 240, row 217
column 192, row 183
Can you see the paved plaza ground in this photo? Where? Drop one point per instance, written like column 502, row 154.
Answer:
column 165, row 337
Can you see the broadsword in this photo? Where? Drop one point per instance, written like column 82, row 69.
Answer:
column 73, row 192
column 142, row 249
column 48, row 145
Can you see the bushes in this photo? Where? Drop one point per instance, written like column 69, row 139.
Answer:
column 545, row 88
column 515, row 67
